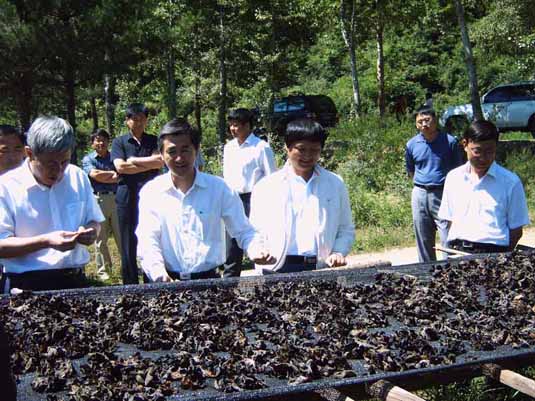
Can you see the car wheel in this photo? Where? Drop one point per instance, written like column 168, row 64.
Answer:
column 456, row 125
column 531, row 125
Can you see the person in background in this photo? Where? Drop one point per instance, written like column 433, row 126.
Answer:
column 137, row 160
column 483, row 202
column 429, row 156
column 48, row 213
column 12, row 144
column 246, row 160
column 103, row 177
column 303, row 211
column 181, row 215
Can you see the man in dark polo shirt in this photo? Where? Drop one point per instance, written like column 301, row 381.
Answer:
column 429, row 156
column 103, row 177
column 137, row 160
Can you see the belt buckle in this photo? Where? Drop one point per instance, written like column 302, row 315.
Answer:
column 467, row 244
column 185, row 276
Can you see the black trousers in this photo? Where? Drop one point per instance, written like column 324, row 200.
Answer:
column 128, row 216
column 233, row 265
column 7, row 382
column 44, row 280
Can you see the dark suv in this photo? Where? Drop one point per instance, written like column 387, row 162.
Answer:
column 320, row 108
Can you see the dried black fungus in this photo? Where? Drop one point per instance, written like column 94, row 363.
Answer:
column 138, row 348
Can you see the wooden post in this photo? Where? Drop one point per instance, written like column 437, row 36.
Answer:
column 510, row 378
column 386, row 391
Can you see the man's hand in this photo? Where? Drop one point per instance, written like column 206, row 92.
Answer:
column 62, row 240
column 264, row 258
column 335, row 260
column 86, row 236
column 164, row 279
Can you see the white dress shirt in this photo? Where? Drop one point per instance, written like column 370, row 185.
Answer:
column 184, row 233
column 244, row 165
column 304, row 220
column 28, row 209
column 328, row 206
column 483, row 210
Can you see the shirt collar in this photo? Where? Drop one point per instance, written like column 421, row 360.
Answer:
column 290, row 173
column 26, row 176
column 492, row 171
column 199, row 181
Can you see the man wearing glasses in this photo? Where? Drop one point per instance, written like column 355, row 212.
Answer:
column 483, row 202
column 429, row 156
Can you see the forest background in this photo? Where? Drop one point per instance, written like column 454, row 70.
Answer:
column 377, row 59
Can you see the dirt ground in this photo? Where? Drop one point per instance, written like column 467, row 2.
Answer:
column 403, row 256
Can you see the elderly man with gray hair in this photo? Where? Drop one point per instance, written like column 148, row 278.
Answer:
column 47, row 213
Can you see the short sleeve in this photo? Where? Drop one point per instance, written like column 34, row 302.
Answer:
column 88, row 164
column 93, row 211
column 7, row 220
column 517, row 213
column 117, row 149
column 409, row 160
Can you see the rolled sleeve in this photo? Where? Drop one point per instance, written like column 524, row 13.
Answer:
column 148, row 232
column 7, row 221
column 236, row 221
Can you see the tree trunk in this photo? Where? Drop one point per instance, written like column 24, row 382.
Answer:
column 197, row 106
column 222, row 109
column 69, row 87
column 24, row 99
column 380, row 63
column 109, row 99
column 470, row 65
column 171, row 85
column 348, row 33
column 94, row 114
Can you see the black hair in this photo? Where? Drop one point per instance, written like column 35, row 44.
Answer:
column 6, row 130
column 304, row 129
column 481, row 130
column 179, row 126
column 425, row 111
column 99, row 132
column 242, row 115
column 136, row 108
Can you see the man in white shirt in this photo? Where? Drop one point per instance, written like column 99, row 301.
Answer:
column 246, row 160
column 484, row 202
column 47, row 213
column 303, row 210
column 181, row 215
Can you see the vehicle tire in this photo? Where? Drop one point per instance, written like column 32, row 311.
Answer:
column 456, row 125
column 531, row 125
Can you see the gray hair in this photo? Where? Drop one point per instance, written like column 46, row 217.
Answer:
column 50, row 134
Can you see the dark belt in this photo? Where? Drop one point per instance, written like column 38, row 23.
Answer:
column 104, row 192
column 245, row 196
column 194, row 276
column 476, row 247
column 429, row 187
column 48, row 273
column 302, row 260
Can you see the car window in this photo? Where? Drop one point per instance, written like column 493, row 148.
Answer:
column 500, row 95
column 296, row 104
column 280, row 106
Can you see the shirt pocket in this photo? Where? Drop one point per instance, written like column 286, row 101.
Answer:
column 490, row 210
column 73, row 216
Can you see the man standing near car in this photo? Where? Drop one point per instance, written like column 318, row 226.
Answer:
column 246, row 160
column 101, row 171
column 137, row 160
column 429, row 156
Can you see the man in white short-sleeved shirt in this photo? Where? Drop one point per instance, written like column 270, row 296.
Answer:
column 180, row 229
column 246, row 160
column 48, row 213
column 484, row 202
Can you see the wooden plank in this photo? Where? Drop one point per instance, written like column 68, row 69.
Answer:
column 510, row 378
column 386, row 391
